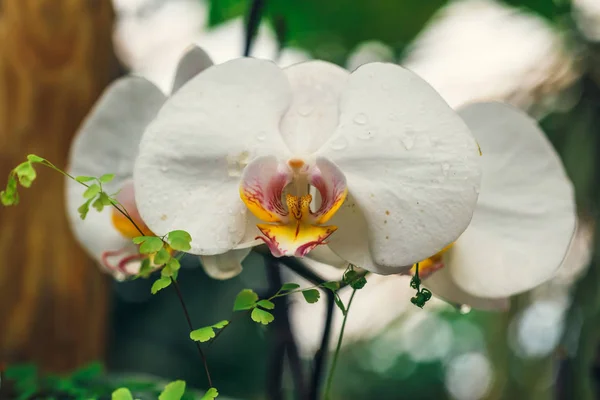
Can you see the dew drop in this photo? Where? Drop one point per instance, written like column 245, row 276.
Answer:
column 367, row 134
column 445, row 168
column 408, row 142
column 261, row 136
column 464, row 309
column 360, row 119
column 305, row 110
column 339, row 144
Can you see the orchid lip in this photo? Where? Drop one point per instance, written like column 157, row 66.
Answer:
column 293, row 229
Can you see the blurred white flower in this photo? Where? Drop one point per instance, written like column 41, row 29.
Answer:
column 482, row 50
column 223, row 150
column 367, row 52
column 587, row 16
column 469, row 376
column 537, row 330
column 520, row 232
column 108, row 142
column 150, row 36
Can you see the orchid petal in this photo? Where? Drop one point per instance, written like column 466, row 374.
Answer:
column 443, row 286
column 194, row 61
column 411, row 165
column 108, row 143
column 314, row 112
column 263, row 182
column 225, row 266
column 330, row 182
column 525, row 216
column 192, row 156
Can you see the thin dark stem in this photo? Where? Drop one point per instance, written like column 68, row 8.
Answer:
column 338, row 347
column 320, row 360
column 252, row 24
column 282, row 338
column 189, row 321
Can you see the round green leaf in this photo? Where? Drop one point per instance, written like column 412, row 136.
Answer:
column 262, row 316
column 311, row 295
column 245, row 300
column 122, row 394
column 266, row 304
column 173, row 391
column 202, row 334
column 160, row 284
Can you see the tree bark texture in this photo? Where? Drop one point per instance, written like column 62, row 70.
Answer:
column 55, row 59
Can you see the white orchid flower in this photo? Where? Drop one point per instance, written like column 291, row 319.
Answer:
column 483, row 50
column 395, row 170
column 587, row 16
column 520, row 232
column 108, row 143
column 150, row 37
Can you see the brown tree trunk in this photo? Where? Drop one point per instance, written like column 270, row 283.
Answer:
column 55, row 59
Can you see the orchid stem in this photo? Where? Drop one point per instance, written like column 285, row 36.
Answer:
column 252, row 24
column 284, row 342
column 338, row 347
column 191, row 327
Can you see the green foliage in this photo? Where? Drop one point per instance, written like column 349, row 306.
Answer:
column 289, row 286
column 173, row 391
column 333, row 285
column 145, row 269
column 25, row 173
column 311, row 295
column 179, row 240
column 106, row 178
column 208, row 332
column 160, row 284
column 10, row 196
column 149, row 244
column 173, row 264
column 87, row 372
column 92, row 191
column 339, row 303
column 245, row 300
column 122, row 394
column 84, row 209
column 84, row 179
column 262, row 316
column 162, row 256
column 266, row 304
column 423, row 295
column 210, row 394
column 354, row 279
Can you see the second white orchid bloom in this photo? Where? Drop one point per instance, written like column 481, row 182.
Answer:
column 396, row 170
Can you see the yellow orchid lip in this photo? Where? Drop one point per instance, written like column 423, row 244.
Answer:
column 296, row 229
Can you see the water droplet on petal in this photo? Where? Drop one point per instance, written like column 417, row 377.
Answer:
column 445, row 168
column 367, row 134
column 408, row 142
column 464, row 309
column 261, row 136
column 339, row 144
column 305, row 110
column 360, row 119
